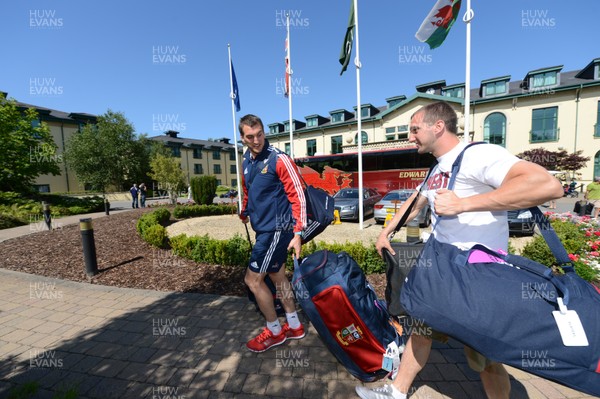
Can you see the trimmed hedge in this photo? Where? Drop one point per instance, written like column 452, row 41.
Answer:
column 151, row 228
column 191, row 211
column 236, row 251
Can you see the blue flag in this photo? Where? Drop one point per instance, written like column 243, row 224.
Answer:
column 236, row 94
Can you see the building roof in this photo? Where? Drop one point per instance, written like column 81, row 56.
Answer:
column 222, row 144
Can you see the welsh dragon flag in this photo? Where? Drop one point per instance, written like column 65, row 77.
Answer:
column 436, row 26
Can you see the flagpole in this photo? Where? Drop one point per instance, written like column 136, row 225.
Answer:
column 359, row 120
column 235, row 145
column 467, row 20
column 289, row 86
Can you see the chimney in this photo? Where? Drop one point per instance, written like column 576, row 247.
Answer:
column 172, row 133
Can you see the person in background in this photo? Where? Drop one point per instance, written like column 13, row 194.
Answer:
column 592, row 194
column 142, row 190
column 134, row 196
column 275, row 205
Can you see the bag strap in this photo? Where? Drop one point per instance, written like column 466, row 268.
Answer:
column 558, row 250
column 412, row 203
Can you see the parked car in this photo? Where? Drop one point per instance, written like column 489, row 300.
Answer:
column 520, row 222
column 230, row 194
column 346, row 203
column 392, row 201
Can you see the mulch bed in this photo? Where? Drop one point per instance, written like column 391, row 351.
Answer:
column 124, row 260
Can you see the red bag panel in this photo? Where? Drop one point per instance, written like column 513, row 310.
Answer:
column 347, row 327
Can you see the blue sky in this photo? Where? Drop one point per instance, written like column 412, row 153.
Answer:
column 165, row 64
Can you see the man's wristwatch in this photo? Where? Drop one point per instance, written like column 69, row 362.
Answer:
column 299, row 233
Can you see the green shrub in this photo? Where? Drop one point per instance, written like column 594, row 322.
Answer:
column 190, row 211
column 7, row 221
column 159, row 217
column 203, row 189
column 156, row 235
column 162, row 215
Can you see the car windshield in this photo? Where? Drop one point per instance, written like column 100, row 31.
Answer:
column 397, row 195
column 347, row 194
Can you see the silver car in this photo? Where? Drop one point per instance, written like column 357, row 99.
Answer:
column 346, row 203
column 393, row 200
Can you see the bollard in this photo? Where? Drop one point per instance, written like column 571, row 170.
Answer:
column 336, row 217
column 89, row 248
column 47, row 216
column 106, row 207
column 388, row 217
column 412, row 231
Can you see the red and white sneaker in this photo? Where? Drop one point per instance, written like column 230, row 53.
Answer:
column 266, row 340
column 293, row 333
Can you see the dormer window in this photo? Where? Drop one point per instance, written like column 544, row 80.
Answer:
column 337, row 117
column 312, row 122
column 544, row 79
column 454, row 91
column 365, row 112
column 495, row 88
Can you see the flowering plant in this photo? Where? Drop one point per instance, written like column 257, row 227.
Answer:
column 585, row 255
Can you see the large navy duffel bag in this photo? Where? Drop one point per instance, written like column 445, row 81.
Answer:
column 344, row 309
column 507, row 307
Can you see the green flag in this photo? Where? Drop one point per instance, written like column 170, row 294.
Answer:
column 348, row 39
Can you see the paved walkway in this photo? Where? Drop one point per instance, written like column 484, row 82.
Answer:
column 110, row 342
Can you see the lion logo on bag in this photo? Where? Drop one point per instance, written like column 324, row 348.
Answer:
column 349, row 335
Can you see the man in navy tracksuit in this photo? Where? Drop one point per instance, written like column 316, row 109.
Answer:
column 275, row 204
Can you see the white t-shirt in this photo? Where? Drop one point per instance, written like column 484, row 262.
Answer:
column 482, row 170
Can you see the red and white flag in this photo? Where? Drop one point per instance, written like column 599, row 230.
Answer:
column 287, row 65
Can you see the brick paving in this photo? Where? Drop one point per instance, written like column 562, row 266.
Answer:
column 110, row 342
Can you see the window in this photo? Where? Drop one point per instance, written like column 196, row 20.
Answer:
column 287, row 148
column 495, row 88
column 286, row 127
column 233, row 182
column 176, row 151
column 197, row 153
column 217, row 154
column 597, row 164
column 494, row 129
column 42, row 188
column 597, row 125
column 390, row 133
column 402, row 132
column 336, row 144
column 456, row 92
column 311, row 147
column 389, row 130
column 312, row 122
column 544, row 79
column 274, row 129
column 337, row 117
column 232, row 169
column 217, row 169
column 198, row 169
column 364, row 137
column 232, row 155
column 218, row 182
column 544, row 124
column 365, row 112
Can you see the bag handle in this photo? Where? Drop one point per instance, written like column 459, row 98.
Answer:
column 412, row 204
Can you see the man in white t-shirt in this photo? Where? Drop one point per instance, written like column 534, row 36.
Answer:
column 490, row 182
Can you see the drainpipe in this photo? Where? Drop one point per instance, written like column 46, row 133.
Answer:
column 577, row 94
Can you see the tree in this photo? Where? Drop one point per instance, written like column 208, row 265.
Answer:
column 556, row 160
column 108, row 153
column 27, row 149
column 168, row 174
